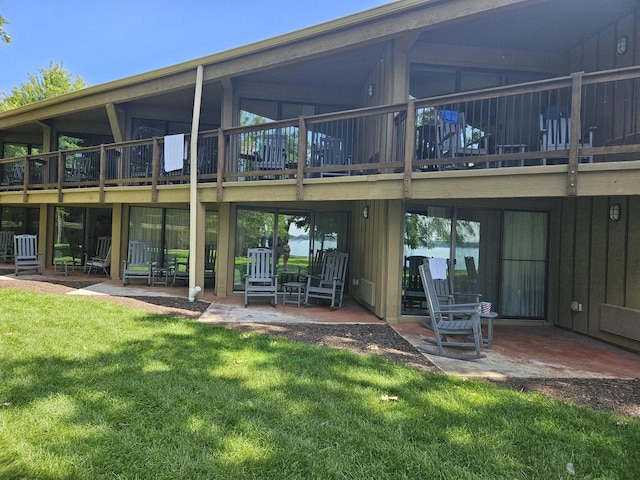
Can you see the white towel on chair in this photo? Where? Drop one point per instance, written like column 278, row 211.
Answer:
column 174, row 152
column 438, row 267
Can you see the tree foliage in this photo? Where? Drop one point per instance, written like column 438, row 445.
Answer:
column 4, row 36
column 47, row 83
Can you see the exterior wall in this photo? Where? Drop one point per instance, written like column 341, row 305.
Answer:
column 376, row 256
column 599, row 267
column 599, row 52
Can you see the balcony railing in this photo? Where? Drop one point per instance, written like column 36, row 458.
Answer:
column 582, row 118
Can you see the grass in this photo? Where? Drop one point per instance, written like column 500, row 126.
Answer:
column 91, row 389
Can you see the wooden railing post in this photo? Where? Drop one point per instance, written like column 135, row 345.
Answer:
column 103, row 171
column 302, row 157
column 155, row 164
column 60, row 175
column 221, row 164
column 25, row 179
column 409, row 147
column 574, row 134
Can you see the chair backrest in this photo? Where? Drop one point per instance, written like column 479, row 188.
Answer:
column 273, row 152
column 209, row 260
column 103, row 246
column 334, row 267
column 472, row 273
column 438, row 269
column 6, row 239
column 430, row 292
column 412, row 281
column 450, row 129
column 331, row 150
column 25, row 247
column 107, row 258
column 260, row 266
column 138, row 253
column 17, row 174
column 555, row 128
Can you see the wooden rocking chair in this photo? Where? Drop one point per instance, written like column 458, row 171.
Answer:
column 461, row 321
column 329, row 284
column 261, row 279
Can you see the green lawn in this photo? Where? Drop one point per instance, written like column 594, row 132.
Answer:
column 93, row 390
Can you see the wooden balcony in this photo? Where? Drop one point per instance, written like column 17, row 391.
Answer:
column 557, row 125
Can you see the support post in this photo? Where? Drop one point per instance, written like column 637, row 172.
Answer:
column 195, row 210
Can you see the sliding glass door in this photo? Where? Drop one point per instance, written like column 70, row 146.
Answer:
column 499, row 254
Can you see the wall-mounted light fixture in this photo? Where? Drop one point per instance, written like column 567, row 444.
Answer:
column 622, row 45
column 614, row 212
column 370, row 90
column 365, row 212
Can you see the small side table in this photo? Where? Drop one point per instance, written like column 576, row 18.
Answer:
column 63, row 265
column 293, row 292
column 160, row 276
column 505, row 149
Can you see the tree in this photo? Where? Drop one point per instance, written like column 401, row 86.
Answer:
column 47, row 83
column 4, row 36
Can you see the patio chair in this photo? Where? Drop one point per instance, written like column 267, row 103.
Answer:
column 180, row 269
column 456, row 138
column 329, row 152
column 97, row 263
column 272, row 155
column 329, row 284
column 412, row 289
column 6, row 245
column 439, row 269
column 26, row 256
column 102, row 257
column 555, row 133
column 260, row 279
column 460, row 321
column 138, row 263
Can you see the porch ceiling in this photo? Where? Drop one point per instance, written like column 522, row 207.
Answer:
column 550, row 26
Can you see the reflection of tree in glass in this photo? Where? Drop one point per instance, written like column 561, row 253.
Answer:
column 425, row 231
column 254, row 229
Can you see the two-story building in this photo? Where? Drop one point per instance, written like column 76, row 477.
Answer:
column 503, row 135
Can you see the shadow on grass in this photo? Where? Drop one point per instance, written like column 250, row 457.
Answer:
column 117, row 393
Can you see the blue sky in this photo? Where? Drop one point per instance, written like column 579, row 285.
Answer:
column 104, row 40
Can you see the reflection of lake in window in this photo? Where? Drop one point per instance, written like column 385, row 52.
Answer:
column 300, row 247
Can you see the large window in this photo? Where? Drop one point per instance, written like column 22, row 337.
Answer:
column 20, row 220
column 295, row 236
column 76, row 231
column 501, row 255
column 166, row 231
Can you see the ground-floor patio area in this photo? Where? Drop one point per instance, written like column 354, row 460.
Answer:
column 523, row 351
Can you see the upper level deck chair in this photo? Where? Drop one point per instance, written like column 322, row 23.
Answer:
column 99, row 259
column 138, row 263
column 456, row 138
column 330, row 152
column 260, row 279
column 329, row 283
column 6, row 245
column 555, row 133
column 412, row 289
column 460, row 321
column 26, row 256
column 273, row 153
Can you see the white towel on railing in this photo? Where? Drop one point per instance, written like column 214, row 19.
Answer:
column 174, row 152
column 438, row 267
